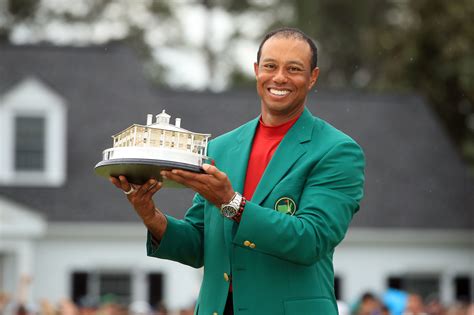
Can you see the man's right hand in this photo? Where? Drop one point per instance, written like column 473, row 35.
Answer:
column 141, row 198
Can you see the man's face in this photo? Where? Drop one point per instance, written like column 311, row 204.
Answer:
column 284, row 76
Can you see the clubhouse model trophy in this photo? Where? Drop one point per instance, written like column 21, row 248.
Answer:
column 140, row 152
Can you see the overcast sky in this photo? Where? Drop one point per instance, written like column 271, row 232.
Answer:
column 177, row 43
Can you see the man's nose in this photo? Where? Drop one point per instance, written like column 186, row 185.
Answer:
column 280, row 76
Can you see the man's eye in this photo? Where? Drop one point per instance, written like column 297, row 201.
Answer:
column 294, row 69
column 269, row 66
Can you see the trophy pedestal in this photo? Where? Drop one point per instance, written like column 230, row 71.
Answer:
column 138, row 171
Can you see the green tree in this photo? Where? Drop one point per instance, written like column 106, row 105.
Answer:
column 421, row 46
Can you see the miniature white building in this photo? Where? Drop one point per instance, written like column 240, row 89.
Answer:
column 159, row 140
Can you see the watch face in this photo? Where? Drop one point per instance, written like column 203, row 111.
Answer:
column 229, row 211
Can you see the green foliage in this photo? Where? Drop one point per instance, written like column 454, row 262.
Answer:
column 22, row 9
column 434, row 57
column 423, row 46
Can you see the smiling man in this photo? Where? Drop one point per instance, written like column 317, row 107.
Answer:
column 267, row 217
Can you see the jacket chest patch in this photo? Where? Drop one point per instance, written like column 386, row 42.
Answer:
column 285, row 205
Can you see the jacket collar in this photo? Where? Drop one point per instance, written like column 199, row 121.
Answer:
column 288, row 152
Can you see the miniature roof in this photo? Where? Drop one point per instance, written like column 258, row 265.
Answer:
column 164, row 126
column 414, row 178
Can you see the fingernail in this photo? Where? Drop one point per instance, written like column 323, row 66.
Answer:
column 174, row 171
column 205, row 166
column 152, row 181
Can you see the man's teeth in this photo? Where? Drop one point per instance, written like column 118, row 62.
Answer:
column 279, row 92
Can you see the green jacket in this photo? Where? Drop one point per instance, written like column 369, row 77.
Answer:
column 279, row 263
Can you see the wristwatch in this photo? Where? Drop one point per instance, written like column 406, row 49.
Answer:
column 231, row 209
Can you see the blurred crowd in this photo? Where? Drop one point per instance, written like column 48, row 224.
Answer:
column 107, row 306
column 395, row 302
column 391, row 303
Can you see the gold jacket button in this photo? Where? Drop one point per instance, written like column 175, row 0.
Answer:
column 226, row 277
column 215, row 313
column 252, row 245
column 247, row 243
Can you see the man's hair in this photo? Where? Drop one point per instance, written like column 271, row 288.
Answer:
column 289, row 32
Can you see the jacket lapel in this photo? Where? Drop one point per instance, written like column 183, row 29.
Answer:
column 240, row 155
column 287, row 153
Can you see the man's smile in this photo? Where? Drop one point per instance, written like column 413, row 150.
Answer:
column 279, row 92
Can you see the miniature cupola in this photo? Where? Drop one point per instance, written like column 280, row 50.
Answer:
column 163, row 118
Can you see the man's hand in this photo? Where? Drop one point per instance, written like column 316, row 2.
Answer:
column 141, row 198
column 214, row 185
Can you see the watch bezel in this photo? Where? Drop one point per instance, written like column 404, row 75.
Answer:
column 231, row 209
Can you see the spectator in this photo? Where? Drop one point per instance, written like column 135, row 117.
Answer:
column 369, row 305
column 4, row 302
column 415, row 305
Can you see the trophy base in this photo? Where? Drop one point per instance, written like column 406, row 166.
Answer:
column 139, row 171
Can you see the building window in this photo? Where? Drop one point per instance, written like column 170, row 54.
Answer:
column 29, row 143
column 423, row 284
column 117, row 285
column 79, row 283
column 92, row 286
column 463, row 286
column 33, row 141
column 337, row 287
column 155, row 289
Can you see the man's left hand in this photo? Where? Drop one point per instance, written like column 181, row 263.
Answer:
column 213, row 185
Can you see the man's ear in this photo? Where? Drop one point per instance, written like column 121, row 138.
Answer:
column 255, row 68
column 314, row 77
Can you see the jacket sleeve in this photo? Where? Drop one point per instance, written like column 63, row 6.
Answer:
column 329, row 199
column 183, row 239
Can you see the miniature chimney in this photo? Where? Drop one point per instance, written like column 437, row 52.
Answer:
column 149, row 119
column 178, row 122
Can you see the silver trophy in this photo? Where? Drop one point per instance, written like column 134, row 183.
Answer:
column 140, row 152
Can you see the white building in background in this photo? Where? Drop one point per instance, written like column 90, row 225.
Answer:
column 76, row 235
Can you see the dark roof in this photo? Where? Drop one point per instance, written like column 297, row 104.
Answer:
column 415, row 178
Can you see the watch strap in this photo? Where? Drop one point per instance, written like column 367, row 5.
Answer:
column 238, row 216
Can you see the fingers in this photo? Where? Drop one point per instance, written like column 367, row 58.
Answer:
column 115, row 181
column 153, row 190
column 149, row 188
column 121, row 182
column 214, row 171
column 182, row 177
